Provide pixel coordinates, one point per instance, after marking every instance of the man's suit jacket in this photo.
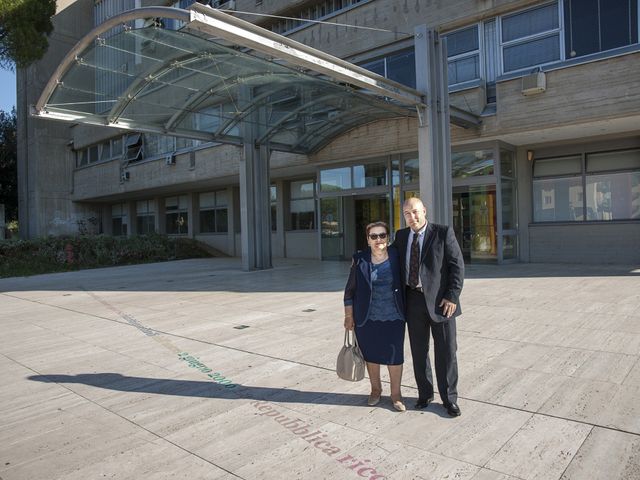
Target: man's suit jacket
(441, 267)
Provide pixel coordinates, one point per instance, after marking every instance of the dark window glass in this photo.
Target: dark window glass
(177, 223)
(402, 68)
(530, 22)
(221, 220)
(146, 224)
(119, 227)
(535, 52)
(207, 221)
(597, 25)
(375, 67)
(462, 42)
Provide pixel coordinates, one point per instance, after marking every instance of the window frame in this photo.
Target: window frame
(480, 51)
(215, 209)
(527, 39)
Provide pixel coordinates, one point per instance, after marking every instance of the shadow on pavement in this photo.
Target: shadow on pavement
(203, 389)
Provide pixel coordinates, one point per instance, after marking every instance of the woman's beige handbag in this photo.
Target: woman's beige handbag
(350, 364)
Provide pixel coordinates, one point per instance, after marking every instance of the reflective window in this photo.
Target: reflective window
(463, 52)
(411, 171)
(597, 25)
(177, 217)
(615, 195)
(571, 165)
(509, 214)
(145, 217)
(531, 38)
(335, 179)
(119, 220)
(213, 212)
(370, 175)
(399, 67)
(507, 164)
(558, 200)
(302, 205)
(472, 164)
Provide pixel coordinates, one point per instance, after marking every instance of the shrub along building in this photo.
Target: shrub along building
(544, 99)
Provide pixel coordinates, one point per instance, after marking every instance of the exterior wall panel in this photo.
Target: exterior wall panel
(585, 243)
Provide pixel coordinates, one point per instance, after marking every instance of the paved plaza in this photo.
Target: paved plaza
(195, 369)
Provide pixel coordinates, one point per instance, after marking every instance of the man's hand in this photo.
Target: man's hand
(448, 308)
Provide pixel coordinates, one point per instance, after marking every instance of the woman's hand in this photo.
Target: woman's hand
(348, 322)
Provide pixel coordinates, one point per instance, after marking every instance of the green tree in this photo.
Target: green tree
(8, 164)
(24, 27)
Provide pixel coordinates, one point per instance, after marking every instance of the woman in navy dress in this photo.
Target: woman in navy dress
(374, 306)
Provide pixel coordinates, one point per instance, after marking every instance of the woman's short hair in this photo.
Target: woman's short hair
(378, 224)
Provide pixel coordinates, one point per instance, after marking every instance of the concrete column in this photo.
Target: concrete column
(434, 142)
(254, 191)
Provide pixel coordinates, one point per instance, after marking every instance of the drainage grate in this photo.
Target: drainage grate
(241, 327)
(309, 310)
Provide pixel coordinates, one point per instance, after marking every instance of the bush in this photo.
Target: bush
(59, 254)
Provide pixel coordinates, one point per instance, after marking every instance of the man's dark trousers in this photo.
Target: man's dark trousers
(420, 325)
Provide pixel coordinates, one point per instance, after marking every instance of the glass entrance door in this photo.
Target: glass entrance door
(344, 221)
(332, 228)
(475, 222)
(367, 210)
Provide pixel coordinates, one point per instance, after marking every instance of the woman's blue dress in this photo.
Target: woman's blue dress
(381, 335)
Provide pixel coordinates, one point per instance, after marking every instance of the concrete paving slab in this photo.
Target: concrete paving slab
(115, 373)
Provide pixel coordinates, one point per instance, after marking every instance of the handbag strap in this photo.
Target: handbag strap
(347, 338)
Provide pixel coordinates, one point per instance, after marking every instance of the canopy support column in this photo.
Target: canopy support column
(255, 206)
(434, 141)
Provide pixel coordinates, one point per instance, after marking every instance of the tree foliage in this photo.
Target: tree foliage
(8, 164)
(24, 27)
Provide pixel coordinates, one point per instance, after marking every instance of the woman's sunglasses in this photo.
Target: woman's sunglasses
(375, 236)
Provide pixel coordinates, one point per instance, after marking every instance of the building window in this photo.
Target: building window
(597, 25)
(176, 215)
(612, 187)
(133, 147)
(463, 53)
(530, 38)
(557, 189)
(303, 205)
(119, 220)
(214, 212)
(399, 67)
(102, 152)
(472, 164)
(145, 217)
(156, 145)
(357, 176)
(608, 188)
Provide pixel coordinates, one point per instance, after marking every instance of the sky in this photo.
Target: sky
(7, 90)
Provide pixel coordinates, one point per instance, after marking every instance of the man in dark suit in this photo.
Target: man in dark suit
(433, 270)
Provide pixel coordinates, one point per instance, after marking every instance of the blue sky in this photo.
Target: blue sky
(7, 89)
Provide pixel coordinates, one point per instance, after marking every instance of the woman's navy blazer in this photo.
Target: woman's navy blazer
(358, 289)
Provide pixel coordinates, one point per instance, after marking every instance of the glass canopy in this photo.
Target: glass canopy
(179, 83)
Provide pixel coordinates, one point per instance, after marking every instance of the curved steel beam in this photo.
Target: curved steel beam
(139, 13)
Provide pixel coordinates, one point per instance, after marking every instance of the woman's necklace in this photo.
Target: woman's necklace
(379, 258)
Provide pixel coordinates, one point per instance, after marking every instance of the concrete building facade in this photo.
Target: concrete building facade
(552, 173)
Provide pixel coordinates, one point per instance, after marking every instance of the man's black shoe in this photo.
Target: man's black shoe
(453, 410)
(423, 403)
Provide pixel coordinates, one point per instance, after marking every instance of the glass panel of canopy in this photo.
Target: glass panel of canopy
(180, 83)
